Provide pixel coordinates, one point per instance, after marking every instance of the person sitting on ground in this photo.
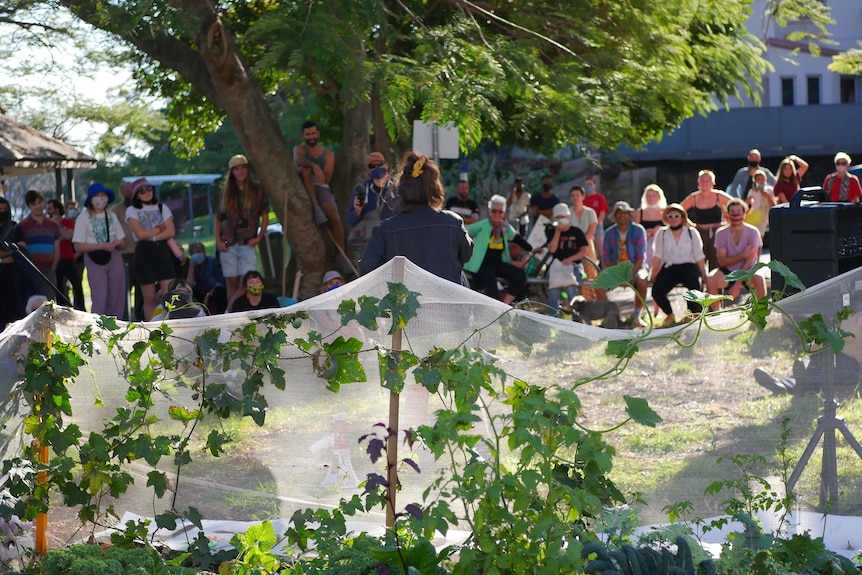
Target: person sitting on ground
(204, 272)
(331, 280)
(251, 295)
(677, 259)
(568, 244)
(737, 246)
(625, 241)
(491, 254)
(178, 303)
(519, 256)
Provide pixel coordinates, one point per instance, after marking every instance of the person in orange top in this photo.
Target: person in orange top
(841, 186)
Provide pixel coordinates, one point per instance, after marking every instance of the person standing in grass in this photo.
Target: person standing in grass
(152, 225)
(99, 236)
(241, 222)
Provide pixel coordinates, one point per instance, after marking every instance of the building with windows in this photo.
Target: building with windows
(805, 109)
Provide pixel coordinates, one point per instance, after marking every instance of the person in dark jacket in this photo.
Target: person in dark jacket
(434, 239)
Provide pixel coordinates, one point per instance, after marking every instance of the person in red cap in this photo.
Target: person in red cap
(152, 226)
(373, 200)
(315, 165)
(241, 222)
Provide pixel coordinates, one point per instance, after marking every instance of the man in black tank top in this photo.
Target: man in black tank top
(315, 165)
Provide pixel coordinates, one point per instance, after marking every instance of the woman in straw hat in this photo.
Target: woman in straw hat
(677, 259)
(241, 223)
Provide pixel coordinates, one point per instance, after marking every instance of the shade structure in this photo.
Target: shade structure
(25, 150)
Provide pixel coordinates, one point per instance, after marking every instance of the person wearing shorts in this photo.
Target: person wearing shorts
(152, 226)
(241, 222)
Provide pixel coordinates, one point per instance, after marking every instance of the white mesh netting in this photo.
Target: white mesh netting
(307, 453)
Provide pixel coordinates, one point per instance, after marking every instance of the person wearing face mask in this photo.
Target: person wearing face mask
(67, 267)
(99, 236)
(677, 260)
(542, 204)
(373, 200)
(204, 272)
(332, 280)
(568, 244)
(252, 295)
(841, 186)
(737, 246)
(744, 178)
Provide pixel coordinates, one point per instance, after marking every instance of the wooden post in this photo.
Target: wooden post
(42, 519)
(392, 442)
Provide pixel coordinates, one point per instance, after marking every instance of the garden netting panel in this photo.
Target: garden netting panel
(307, 453)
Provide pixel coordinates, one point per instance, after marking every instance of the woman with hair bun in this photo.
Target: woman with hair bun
(430, 237)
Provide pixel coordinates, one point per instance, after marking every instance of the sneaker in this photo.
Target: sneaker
(764, 379)
(320, 216)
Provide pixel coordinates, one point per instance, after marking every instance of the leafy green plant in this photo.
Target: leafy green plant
(93, 560)
(530, 486)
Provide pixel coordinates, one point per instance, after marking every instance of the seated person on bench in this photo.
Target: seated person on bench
(491, 258)
(568, 244)
(737, 246)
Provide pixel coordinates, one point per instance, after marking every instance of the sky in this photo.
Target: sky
(36, 80)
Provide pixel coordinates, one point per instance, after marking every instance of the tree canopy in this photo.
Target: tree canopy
(537, 73)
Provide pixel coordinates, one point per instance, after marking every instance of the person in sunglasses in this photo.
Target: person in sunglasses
(841, 186)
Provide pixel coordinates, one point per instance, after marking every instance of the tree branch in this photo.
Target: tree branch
(167, 50)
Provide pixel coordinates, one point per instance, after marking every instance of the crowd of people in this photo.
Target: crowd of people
(695, 243)
(130, 247)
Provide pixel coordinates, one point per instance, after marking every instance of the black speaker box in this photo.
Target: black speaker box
(816, 240)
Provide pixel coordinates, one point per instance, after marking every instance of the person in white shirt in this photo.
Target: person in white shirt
(677, 259)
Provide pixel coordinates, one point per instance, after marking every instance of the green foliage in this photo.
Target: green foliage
(254, 549)
(531, 482)
(539, 74)
(647, 560)
(93, 560)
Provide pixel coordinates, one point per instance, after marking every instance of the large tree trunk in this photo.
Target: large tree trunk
(351, 167)
(217, 70)
(261, 138)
